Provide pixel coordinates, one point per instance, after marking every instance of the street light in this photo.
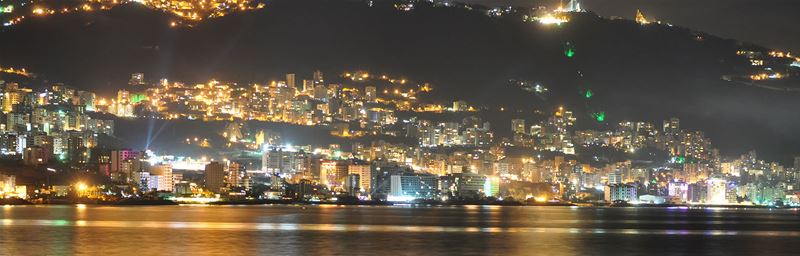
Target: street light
(81, 186)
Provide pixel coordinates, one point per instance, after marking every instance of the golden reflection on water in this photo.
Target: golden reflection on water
(249, 226)
(371, 230)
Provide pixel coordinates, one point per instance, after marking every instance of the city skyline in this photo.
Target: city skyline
(63, 132)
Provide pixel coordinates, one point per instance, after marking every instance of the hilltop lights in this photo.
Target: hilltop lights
(550, 19)
(640, 18)
(16, 71)
(187, 9)
(560, 14)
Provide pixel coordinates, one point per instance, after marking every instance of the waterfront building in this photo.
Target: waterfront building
(214, 175)
(413, 186)
(621, 192)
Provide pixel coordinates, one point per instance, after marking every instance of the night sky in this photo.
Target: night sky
(771, 23)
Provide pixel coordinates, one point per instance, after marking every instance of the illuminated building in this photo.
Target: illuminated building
(280, 160)
(123, 96)
(717, 190)
(87, 99)
(651, 199)
(120, 160)
(214, 176)
(7, 185)
(615, 178)
(237, 176)
(672, 126)
(370, 93)
(620, 192)
(184, 188)
(460, 105)
(142, 180)
(697, 192)
(640, 18)
(333, 173)
(351, 184)
(35, 156)
(470, 185)
(17, 121)
(177, 177)
(136, 79)
(572, 6)
(333, 91)
(77, 151)
(679, 190)
(320, 92)
(518, 126)
(12, 95)
(161, 177)
(290, 81)
(101, 126)
(478, 136)
(429, 136)
(452, 134)
(508, 166)
(412, 186)
(364, 172)
(318, 77)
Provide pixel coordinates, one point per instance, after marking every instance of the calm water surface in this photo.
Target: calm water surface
(395, 230)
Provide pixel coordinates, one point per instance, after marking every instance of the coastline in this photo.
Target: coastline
(148, 202)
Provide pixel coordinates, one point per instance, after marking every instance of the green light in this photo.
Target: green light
(588, 94)
(138, 97)
(599, 116)
(569, 50)
(680, 159)
(60, 222)
(7, 9)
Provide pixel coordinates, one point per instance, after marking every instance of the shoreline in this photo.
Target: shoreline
(21, 202)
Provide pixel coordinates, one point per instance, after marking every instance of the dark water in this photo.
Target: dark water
(398, 230)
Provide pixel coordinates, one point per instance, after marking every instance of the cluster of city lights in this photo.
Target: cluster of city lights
(188, 10)
(772, 65)
(16, 71)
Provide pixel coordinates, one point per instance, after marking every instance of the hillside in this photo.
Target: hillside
(635, 72)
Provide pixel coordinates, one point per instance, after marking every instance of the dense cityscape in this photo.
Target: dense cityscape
(61, 129)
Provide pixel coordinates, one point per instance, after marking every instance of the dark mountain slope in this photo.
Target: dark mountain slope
(636, 72)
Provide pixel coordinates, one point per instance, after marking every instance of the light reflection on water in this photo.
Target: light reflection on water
(471, 230)
(249, 226)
